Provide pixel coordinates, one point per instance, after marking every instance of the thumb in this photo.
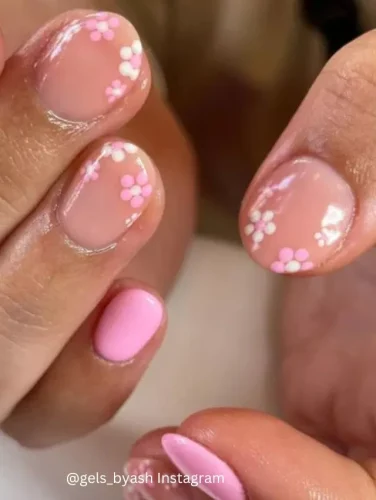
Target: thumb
(241, 454)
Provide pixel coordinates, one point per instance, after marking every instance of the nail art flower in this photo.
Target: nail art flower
(90, 171)
(132, 60)
(118, 150)
(136, 189)
(291, 261)
(102, 26)
(115, 91)
(261, 224)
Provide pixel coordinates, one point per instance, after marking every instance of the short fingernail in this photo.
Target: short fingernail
(108, 194)
(128, 323)
(89, 65)
(297, 219)
(194, 460)
(150, 479)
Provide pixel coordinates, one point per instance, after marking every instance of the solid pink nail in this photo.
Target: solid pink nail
(128, 323)
(193, 459)
(296, 219)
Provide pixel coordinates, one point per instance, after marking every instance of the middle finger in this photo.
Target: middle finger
(81, 76)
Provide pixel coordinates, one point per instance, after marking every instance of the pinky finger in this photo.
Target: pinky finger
(95, 373)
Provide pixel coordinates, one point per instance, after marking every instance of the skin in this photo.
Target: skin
(254, 445)
(327, 333)
(47, 391)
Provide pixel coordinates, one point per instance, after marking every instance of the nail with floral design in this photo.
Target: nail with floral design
(102, 25)
(261, 224)
(137, 189)
(296, 218)
(94, 210)
(83, 71)
(132, 57)
(115, 91)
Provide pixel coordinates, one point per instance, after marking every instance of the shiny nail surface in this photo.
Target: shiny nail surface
(128, 323)
(298, 217)
(107, 195)
(89, 65)
(193, 459)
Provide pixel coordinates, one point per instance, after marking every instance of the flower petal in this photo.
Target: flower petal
(255, 215)
(293, 266)
(142, 178)
(248, 230)
(268, 216)
(137, 201)
(286, 254)
(127, 181)
(126, 195)
(278, 267)
(258, 236)
(270, 228)
(301, 255)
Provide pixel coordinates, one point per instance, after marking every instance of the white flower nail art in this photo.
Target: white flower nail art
(132, 60)
(261, 224)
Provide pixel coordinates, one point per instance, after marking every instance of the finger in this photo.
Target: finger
(83, 75)
(38, 419)
(311, 206)
(112, 351)
(252, 455)
(77, 242)
(151, 474)
(20, 18)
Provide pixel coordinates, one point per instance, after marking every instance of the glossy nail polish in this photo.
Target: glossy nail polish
(193, 459)
(297, 218)
(108, 194)
(88, 66)
(128, 323)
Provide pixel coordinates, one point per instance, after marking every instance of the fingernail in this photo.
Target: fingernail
(150, 479)
(193, 460)
(128, 323)
(88, 66)
(107, 195)
(297, 218)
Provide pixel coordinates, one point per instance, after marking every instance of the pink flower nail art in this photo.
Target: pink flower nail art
(115, 91)
(291, 261)
(90, 171)
(132, 60)
(136, 189)
(102, 26)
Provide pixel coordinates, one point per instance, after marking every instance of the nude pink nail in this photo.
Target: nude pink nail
(108, 194)
(128, 323)
(89, 65)
(193, 459)
(298, 217)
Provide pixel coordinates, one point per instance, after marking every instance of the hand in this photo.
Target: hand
(309, 211)
(240, 454)
(71, 270)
